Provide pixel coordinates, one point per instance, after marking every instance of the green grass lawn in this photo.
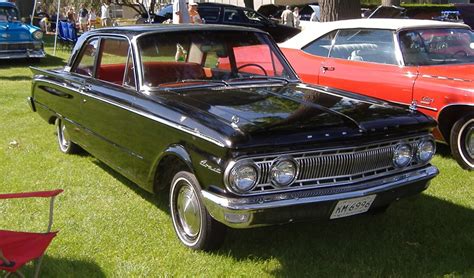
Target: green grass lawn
(110, 227)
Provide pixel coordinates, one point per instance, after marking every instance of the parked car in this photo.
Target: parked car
(215, 13)
(18, 39)
(425, 63)
(240, 146)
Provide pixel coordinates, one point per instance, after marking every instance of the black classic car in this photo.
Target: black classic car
(215, 116)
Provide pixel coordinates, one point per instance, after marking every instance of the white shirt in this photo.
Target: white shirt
(104, 11)
(179, 6)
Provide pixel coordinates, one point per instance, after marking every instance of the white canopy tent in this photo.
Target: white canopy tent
(57, 22)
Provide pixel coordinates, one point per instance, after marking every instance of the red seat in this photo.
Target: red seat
(18, 248)
(156, 73)
(112, 73)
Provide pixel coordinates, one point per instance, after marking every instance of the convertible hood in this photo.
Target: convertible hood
(462, 73)
(268, 114)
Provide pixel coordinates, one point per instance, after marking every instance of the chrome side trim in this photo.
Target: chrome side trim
(218, 205)
(141, 113)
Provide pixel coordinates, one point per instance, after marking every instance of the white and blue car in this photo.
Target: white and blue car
(18, 39)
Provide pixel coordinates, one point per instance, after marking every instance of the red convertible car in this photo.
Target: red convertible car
(423, 63)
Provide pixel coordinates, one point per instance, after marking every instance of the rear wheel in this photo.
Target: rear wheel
(193, 225)
(462, 142)
(64, 141)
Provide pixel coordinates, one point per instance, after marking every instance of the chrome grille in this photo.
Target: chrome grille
(16, 46)
(323, 168)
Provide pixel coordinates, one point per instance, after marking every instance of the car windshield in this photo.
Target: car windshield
(437, 46)
(8, 13)
(211, 58)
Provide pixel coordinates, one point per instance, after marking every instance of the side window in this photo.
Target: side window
(129, 79)
(86, 59)
(367, 45)
(234, 15)
(209, 14)
(321, 46)
(112, 60)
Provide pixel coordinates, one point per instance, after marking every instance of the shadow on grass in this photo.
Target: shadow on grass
(418, 236)
(48, 61)
(54, 267)
(422, 233)
(443, 150)
(158, 200)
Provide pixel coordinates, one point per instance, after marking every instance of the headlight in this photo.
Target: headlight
(243, 177)
(402, 155)
(283, 172)
(425, 151)
(38, 34)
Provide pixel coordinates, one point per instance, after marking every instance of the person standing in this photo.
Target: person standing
(180, 12)
(92, 19)
(83, 16)
(296, 17)
(287, 17)
(105, 14)
(194, 16)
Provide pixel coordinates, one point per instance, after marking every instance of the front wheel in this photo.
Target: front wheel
(64, 141)
(193, 225)
(462, 142)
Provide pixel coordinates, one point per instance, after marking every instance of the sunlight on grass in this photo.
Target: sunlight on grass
(110, 227)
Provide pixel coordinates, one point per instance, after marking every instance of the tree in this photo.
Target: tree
(248, 4)
(332, 10)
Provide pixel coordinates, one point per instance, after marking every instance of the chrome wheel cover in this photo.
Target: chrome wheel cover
(189, 213)
(186, 211)
(470, 141)
(63, 136)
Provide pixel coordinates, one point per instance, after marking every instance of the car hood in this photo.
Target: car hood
(14, 31)
(270, 115)
(462, 73)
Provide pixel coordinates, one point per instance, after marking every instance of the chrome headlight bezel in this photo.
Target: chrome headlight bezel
(279, 161)
(419, 148)
(231, 172)
(37, 35)
(402, 147)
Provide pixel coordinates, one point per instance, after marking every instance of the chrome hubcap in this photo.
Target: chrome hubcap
(64, 137)
(188, 211)
(470, 141)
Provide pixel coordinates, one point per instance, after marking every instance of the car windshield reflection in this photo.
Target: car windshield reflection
(437, 46)
(211, 58)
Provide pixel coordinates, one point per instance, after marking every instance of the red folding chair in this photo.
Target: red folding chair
(18, 248)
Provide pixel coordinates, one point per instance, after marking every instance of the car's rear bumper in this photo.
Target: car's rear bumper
(246, 212)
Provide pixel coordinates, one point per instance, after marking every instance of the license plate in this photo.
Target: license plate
(352, 206)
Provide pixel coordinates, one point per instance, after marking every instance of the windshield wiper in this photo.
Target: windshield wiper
(261, 77)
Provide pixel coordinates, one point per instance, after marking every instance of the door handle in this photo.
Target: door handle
(327, 68)
(86, 88)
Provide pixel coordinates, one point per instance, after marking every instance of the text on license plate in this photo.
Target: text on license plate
(352, 206)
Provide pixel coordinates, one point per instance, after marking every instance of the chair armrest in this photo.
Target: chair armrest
(40, 194)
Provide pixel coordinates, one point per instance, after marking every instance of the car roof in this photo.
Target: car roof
(314, 30)
(7, 4)
(135, 30)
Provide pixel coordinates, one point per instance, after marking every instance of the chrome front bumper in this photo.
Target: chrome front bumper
(279, 208)
(20, 54)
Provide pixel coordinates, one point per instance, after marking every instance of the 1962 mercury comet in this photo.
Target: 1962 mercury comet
(237, 144)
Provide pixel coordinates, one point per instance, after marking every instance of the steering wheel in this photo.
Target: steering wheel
(253, 65)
